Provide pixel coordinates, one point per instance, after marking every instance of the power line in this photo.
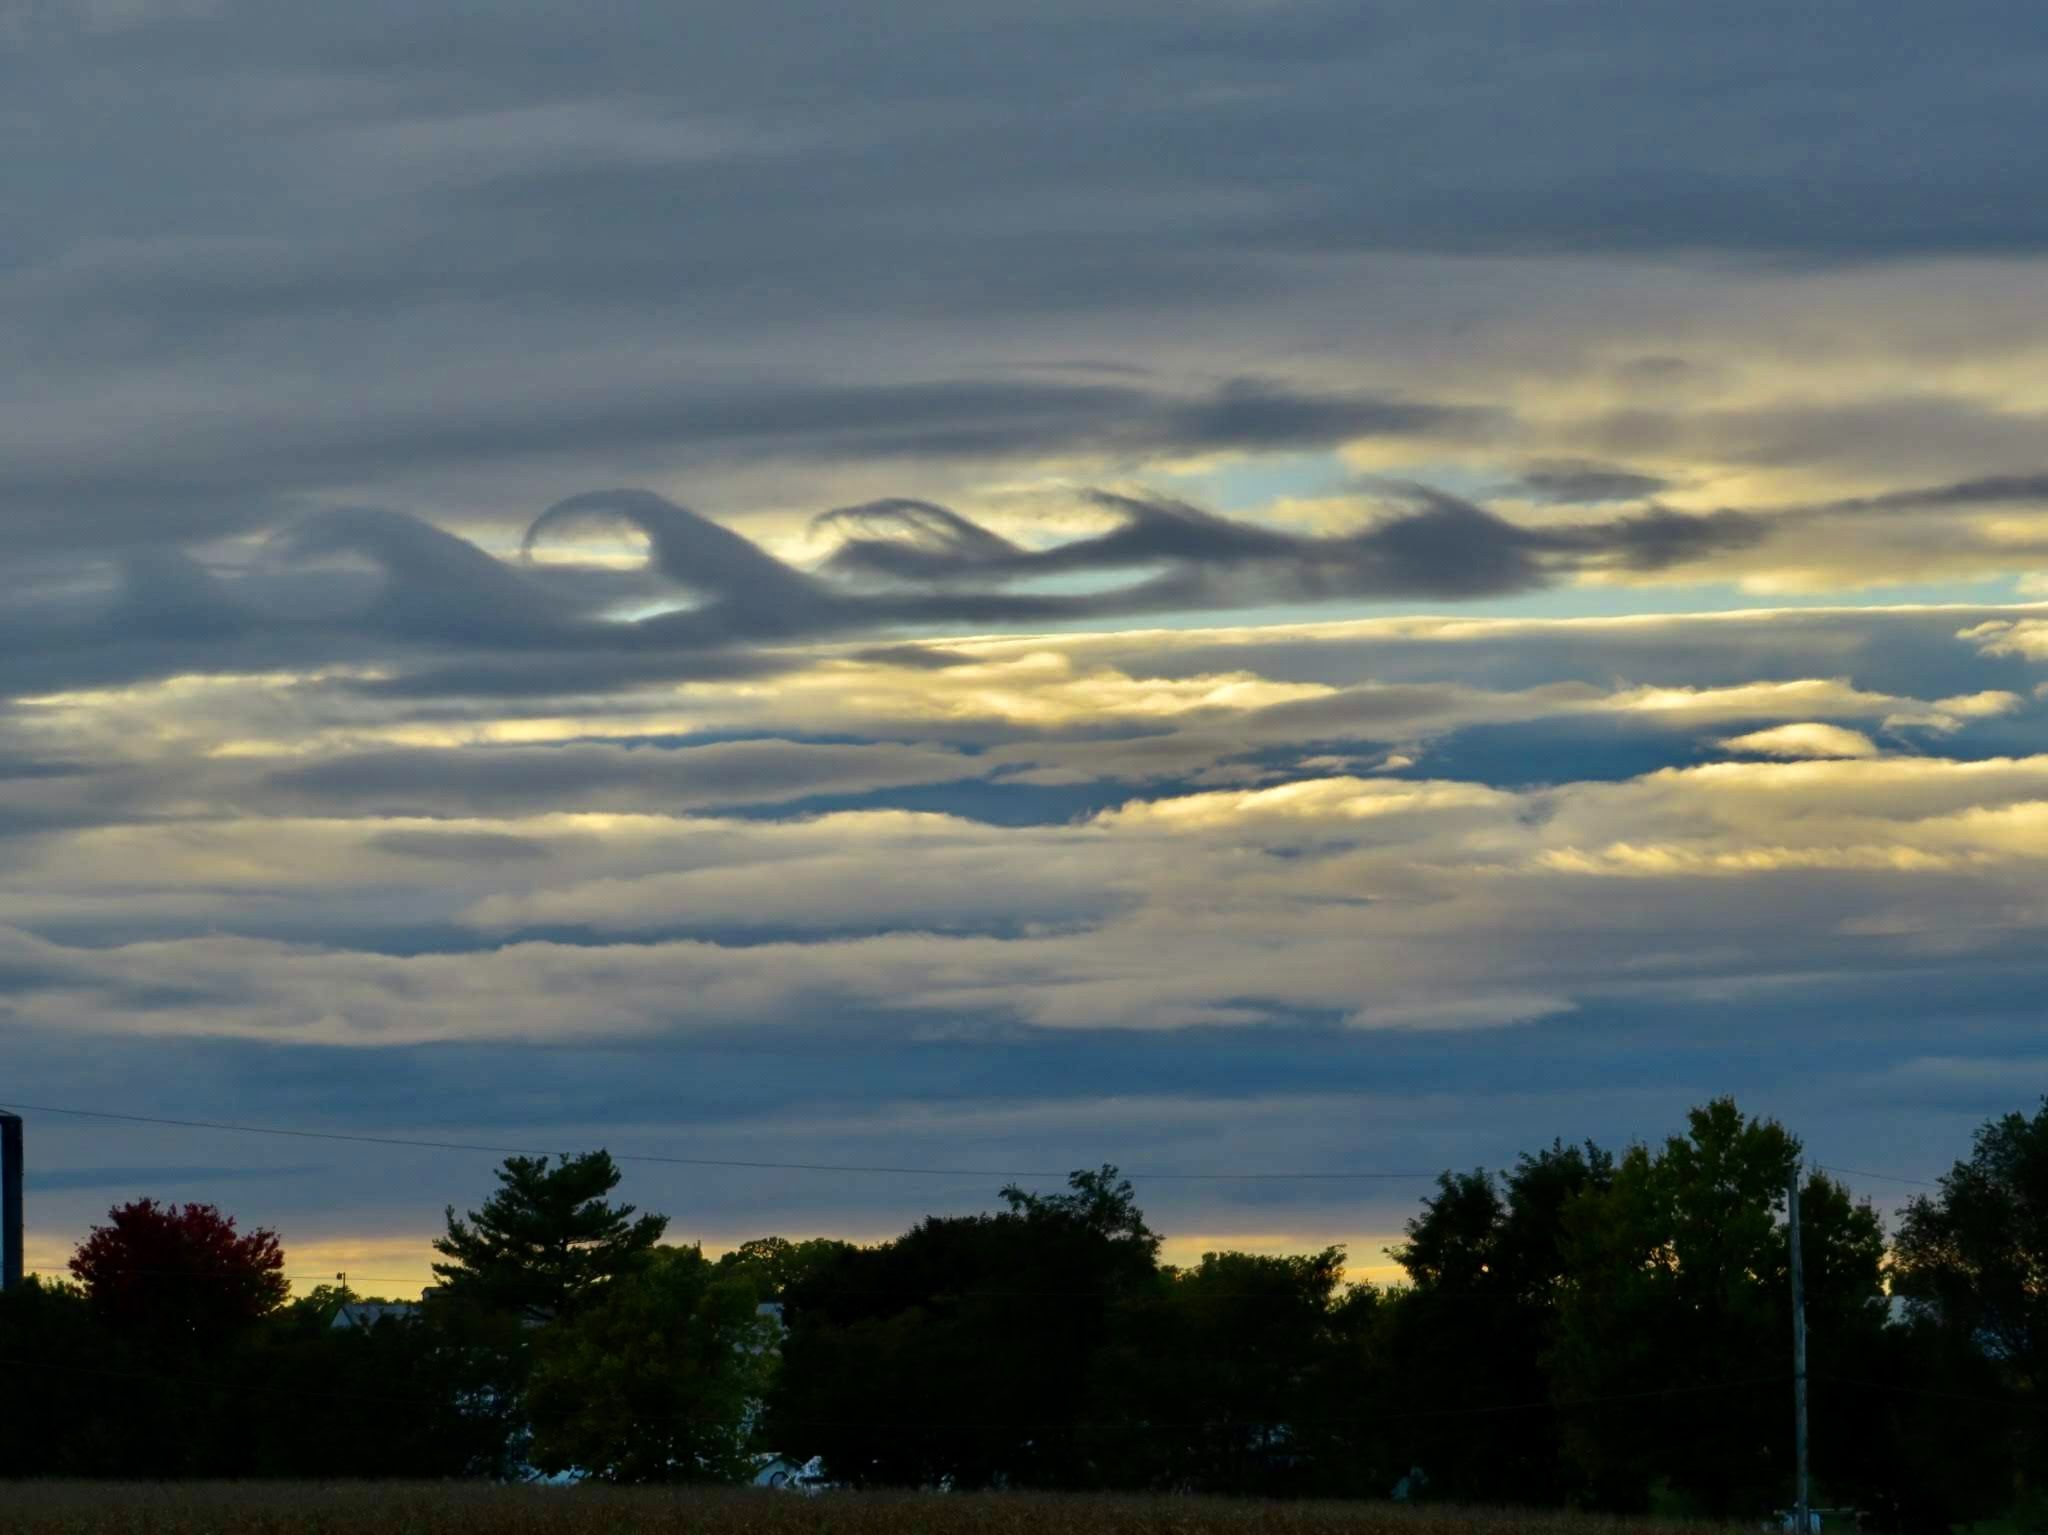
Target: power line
(1864, 1172)
(759, 1165)
(725, 1162)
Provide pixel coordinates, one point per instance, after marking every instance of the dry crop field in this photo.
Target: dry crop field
(80, 1508)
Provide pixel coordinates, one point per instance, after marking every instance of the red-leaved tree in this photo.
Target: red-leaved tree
(179, 1275)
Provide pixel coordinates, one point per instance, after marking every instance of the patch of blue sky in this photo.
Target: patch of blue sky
(1583, 749)
(1576, 601)
(1605, 601)
(1251, 484)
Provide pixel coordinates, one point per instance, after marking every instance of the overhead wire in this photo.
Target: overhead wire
(746, 1164)
(1150, 1175)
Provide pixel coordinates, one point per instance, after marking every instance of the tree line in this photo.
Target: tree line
(1606, 1330)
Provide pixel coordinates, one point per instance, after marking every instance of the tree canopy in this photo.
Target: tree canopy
(1585, 1328)
(1975, 1257)
(1971, 1262)
(657, 1379)
(546, 1240)
(179, 1274)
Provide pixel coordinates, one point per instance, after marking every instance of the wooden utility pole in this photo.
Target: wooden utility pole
(10, 1201)
(1802, 1519)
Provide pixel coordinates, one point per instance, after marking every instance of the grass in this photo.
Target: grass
(383, 1508)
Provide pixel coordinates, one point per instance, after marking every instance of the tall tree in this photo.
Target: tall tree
(1975, 1257)
(965, 1351)
(1486, 1269)
(546, 1240)
(1972, 1264)
(179, 1274)
(1677, 1314)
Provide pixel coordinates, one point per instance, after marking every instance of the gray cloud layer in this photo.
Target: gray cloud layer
(358, 814)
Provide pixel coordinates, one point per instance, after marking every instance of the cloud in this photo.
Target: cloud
(1018, 807)
(1802, 740)
(1567, 483)
(1348, 896)
(2023, 638)
(1433, 546)
(488, 847)
(429, 782)
(420, 611)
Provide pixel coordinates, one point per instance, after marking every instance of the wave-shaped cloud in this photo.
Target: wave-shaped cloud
(371, 585)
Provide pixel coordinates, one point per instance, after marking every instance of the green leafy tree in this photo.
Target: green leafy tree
(657, 1380)
(546, 1241)
(1678, 1302)
(776, 1264)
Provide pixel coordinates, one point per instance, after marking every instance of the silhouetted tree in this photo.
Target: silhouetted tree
(81, 1400)
(1975, 1258)
(1487, 1268)
(179, 1275)
(297, 1397)
(545, 1241)
(1229, 1377)
(1972, 1263)
(1098, 1202)
(1575, 1328)
(965, 1350)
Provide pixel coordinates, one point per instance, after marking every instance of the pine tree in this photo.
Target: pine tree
(546, 1240)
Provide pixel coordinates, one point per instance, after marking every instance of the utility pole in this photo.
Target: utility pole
(10, 1201)
(1800, 1513)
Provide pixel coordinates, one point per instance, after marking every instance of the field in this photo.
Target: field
(59, 1508)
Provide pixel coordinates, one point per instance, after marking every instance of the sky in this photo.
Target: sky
(1223, 586)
